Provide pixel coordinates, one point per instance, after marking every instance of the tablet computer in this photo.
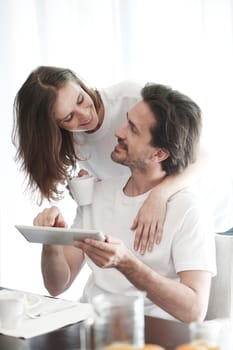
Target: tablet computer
(57, 235)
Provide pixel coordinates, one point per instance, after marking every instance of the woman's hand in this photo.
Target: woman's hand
(82, 172)
(150, 218)
(149, 222)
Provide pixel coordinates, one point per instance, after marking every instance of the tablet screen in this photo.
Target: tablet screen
(57, 235)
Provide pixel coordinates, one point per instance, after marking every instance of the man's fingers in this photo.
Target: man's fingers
(95, 254)
(49, 217)
(59, 221)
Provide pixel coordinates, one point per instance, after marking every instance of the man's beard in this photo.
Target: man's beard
(131, 163)
(116, 159)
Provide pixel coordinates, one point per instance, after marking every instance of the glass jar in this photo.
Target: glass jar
(206, 333)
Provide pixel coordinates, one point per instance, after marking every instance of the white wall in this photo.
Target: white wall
(187, 44)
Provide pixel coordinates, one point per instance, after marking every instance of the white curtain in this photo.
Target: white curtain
(187, 44)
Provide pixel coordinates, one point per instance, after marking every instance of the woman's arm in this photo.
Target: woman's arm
(149, 221)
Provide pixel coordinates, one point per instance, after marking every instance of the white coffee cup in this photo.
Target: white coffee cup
(82, 188)
(11, 312)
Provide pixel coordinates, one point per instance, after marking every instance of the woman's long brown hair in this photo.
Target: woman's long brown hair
(45, 152)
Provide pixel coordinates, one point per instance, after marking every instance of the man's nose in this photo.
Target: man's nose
(121, 132)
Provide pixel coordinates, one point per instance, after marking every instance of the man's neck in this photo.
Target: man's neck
(141, 182)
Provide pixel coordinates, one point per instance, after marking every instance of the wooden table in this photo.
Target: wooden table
(157, 331)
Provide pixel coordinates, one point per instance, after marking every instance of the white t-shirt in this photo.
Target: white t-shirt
(96, 148)
(187, 244)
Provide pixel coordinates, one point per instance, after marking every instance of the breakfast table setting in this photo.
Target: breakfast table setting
(55, 324)
(48, 323)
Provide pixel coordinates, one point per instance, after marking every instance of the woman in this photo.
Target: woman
(60, 121)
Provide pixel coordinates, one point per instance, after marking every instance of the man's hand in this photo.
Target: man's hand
(50, 217)
(111, 253)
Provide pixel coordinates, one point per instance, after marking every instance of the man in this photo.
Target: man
(160, 138)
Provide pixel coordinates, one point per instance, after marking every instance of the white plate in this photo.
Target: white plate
(57, 235)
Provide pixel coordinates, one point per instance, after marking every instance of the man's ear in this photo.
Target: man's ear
(160, 154)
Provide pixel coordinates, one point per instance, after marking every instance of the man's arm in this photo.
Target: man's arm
(60, 265)
(186, 300)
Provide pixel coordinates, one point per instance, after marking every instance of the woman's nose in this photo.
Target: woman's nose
(82, 111)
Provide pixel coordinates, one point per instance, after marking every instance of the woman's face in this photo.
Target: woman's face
(74, 109)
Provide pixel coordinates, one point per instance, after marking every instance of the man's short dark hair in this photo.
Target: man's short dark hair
(178, 125)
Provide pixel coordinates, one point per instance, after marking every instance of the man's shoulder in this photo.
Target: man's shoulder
(188, 194)
(189, 210)
(187, 199)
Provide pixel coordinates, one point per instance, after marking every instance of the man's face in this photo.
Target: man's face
(133, 148)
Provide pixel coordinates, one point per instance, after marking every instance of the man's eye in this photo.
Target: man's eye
(132, 128)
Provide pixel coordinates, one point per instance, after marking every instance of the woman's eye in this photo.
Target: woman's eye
(69, 118)
(80, 99)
